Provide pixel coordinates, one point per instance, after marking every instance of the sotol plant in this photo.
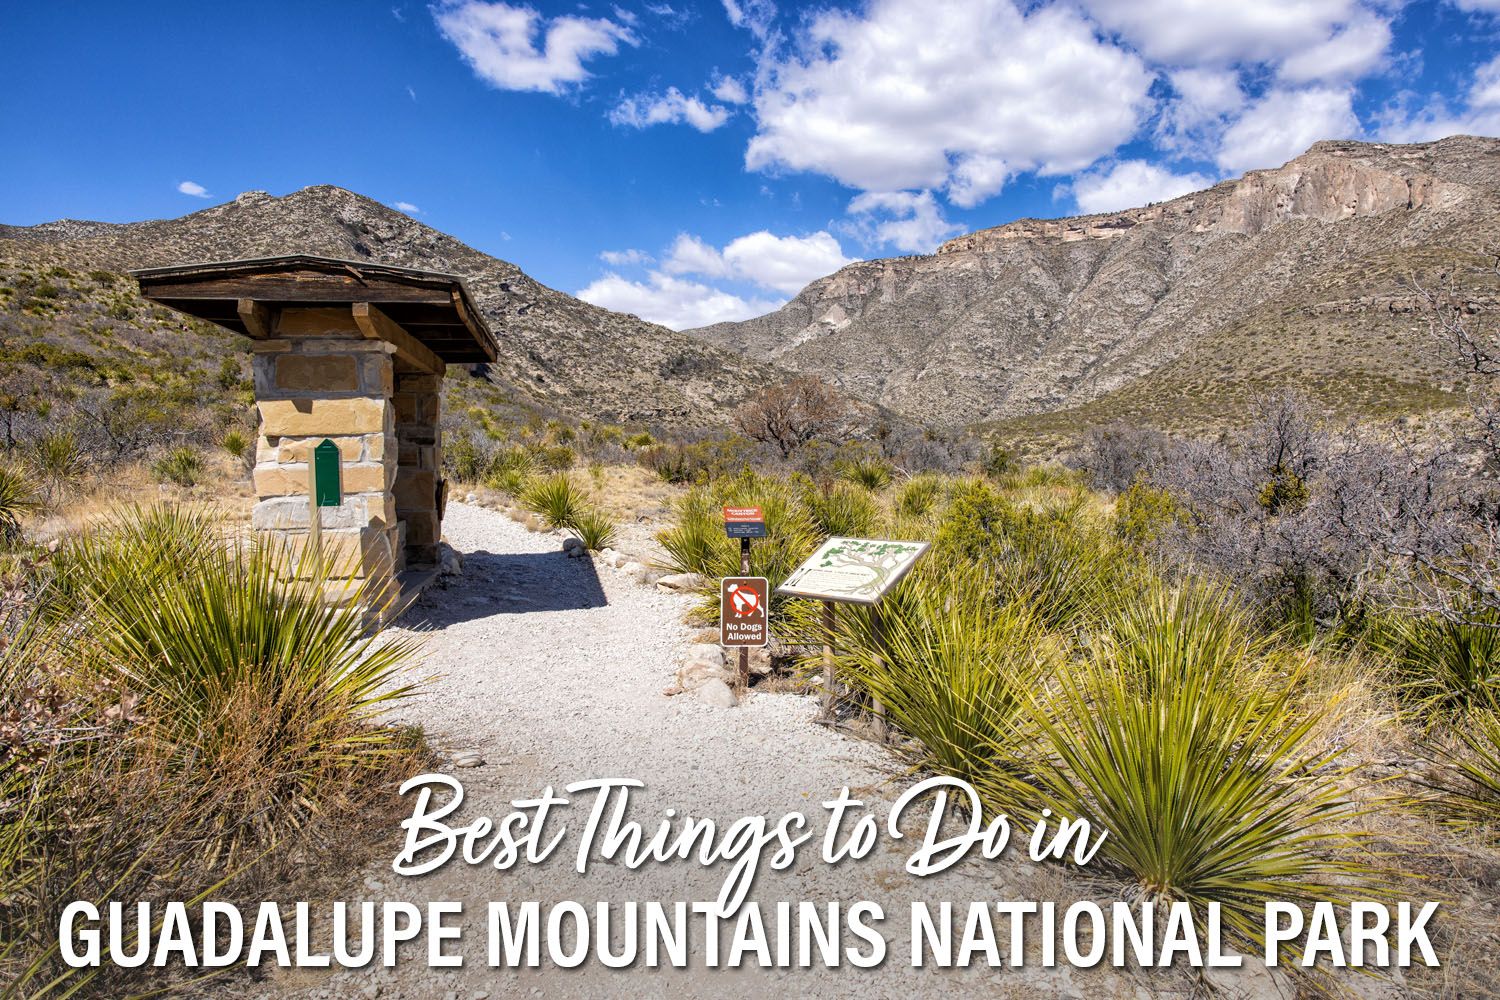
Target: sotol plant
(556, 499)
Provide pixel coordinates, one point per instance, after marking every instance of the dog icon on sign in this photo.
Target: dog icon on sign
(745, 600)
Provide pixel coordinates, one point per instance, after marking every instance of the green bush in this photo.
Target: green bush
(872, 474)
(1144, 513)
(842, 510)
(181, 465)
(1198, 764)
(999, 461)
(952, 670)
(918, 496)
(594, 528)
(17, 499)
(556, 499)
(237, 445)
(462, 459)
(1466, 776)
(1443, 669)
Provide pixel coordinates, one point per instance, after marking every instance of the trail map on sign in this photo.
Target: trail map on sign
(854, 570)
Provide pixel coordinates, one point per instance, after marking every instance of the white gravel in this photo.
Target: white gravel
(553, 670)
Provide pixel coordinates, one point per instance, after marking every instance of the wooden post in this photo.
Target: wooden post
(314, 513)
(828, 622)
(744, 682)
(877, 636)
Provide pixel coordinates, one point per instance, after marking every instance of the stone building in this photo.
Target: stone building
(353, 353)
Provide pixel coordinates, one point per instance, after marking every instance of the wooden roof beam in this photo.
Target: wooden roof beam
(376, 325)
(256, 316)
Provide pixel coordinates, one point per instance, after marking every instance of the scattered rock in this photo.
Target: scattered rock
(471, 497)
(571, 544)
(373, 885)
(635, 571)
(695, 673)
(468, 759)
(450, 561)
(716, 693)
(711, 652)
(681, 582)
(760, 662)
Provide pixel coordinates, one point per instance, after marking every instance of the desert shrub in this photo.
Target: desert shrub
(1443, 668)
(842, 509)
(268, 691)
(58, 460)
(999, 461)
(555, 458)
(639, 440)
(1200, 768)
(1144, 513)
(594, 528)
(1117, 455)
(236, 444)
(463, 460)
(953, 671)
(871, 474)
(697, 544)
(918, 496)
(17, 499)
(556, 499)
(181, 465)
(684, 463)
(1061, 565)
(1465, 781)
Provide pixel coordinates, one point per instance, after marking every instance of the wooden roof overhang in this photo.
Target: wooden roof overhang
(436, 310)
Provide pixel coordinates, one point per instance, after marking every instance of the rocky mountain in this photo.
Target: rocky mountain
(1173, 314)
(558, 354)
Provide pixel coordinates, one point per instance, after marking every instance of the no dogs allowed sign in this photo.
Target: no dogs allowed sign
(744, 614)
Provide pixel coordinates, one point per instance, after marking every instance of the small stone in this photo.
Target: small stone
(468, 759)
(708, 651)
(480, 995)
(372, 991)
(635, 571)
(716, 693)
(373, 885)
(571, 544)
(471, 497)
(681, 582)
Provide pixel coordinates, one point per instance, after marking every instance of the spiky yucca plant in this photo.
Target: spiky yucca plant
(952, 671)
(556, 499)
(269, 689)
(17, 499)
(871, 474)
(1466, 782)
(1198, 764)
(842, 509)
(1443, 669)
(919, 495)
(181, 465)
(594, 528)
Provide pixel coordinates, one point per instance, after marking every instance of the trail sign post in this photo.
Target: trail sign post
(744, 523)
(852, 571)
(744, 611)
(325, 488)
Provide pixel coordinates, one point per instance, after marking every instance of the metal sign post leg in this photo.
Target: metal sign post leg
(744, 681)
(877, 632)
(828, 621)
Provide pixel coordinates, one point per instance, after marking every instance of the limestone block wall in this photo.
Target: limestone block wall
(323, 379)
(417, 404)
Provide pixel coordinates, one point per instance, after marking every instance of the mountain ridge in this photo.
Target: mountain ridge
(1292, 275)
(557, 352)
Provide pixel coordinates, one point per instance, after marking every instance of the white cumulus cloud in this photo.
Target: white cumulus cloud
(625, 258)
(907, 220)
(1480, 114)
(730, 91)
(193, 188)
(673, 302)
(1132, 184)
(408, 208)
(1198, 33)
(670, 108)
(958, 95)
(1283, 123)
(515, 48)
(783, 263)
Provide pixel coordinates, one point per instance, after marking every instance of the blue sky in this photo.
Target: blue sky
(698, 162)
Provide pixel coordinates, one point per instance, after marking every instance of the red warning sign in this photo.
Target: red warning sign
(744, 611)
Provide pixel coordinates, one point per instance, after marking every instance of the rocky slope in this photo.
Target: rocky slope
(557, 354)
(1172, 314)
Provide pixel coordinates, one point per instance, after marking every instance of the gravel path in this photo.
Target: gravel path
(554, 670)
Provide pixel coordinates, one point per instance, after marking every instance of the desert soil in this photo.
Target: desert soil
(554, 669)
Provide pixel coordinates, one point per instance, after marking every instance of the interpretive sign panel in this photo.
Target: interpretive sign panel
(853, 570)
